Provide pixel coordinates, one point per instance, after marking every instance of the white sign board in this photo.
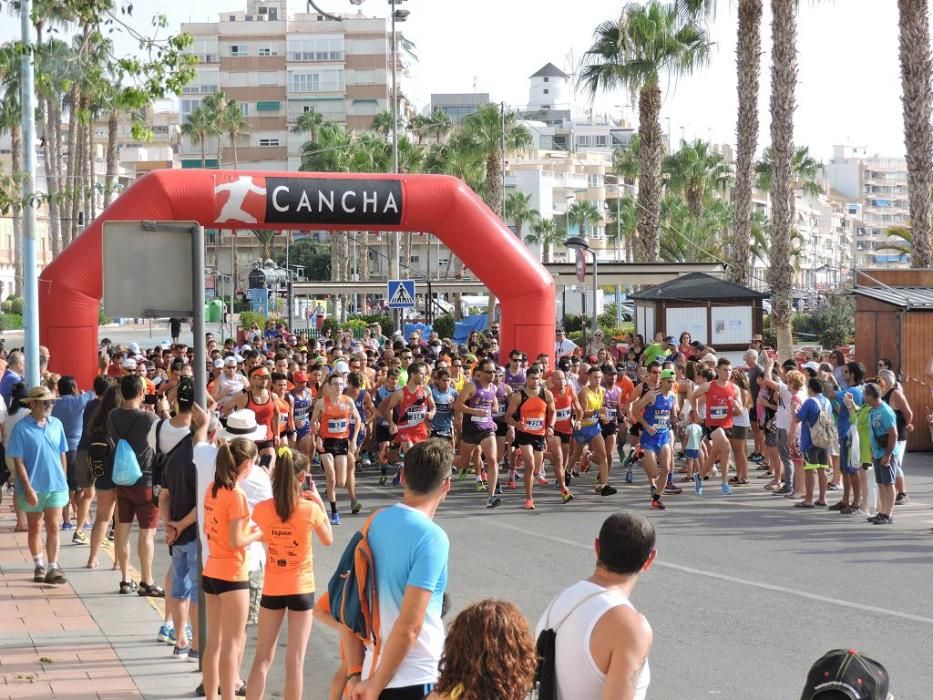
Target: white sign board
(147, 269)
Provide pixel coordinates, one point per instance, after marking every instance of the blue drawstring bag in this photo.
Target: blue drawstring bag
(126, 471)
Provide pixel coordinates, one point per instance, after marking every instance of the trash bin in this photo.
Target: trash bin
(215, 311)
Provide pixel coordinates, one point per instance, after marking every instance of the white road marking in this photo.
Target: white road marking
(740, 581)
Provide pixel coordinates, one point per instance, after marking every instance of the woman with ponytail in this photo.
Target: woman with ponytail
(225, 578)
(287, 521)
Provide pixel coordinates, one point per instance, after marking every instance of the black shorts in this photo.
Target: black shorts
(408, 692)
(217, 586)
(708, 431)
(336, 446)
(635, 430)
(442, 436)
(71, 475)
(299, 602)
(383, 434)
(536, 441)
(502, 428)
(472, 435)
(609, 429)
(564, 438)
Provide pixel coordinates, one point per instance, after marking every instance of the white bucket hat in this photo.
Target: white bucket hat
(242, 424)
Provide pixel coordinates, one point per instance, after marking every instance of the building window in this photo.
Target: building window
(324, 81)
(546, 91)
(268, 143)
(442, 262)
(231, 18)
(413, 259)
(268, 106)
(188, 106)
(317, 49)
(262, 10)
(602, 140)
(546, 79)
(239, 50)
(268, 78)
(244, 108)
(268, 51)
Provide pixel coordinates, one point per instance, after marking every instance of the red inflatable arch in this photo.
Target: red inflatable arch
(70, 288)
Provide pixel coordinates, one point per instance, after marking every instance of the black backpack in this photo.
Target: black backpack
(545, 687)
(160, 459)
(99, 454)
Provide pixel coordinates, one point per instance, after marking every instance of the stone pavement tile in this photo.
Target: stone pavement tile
(25, 689)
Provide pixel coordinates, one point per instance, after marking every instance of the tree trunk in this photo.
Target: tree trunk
(236, 159)
(69, 218)
(111, 176)
(76, 184)
(202, 137)
(918, 134)
(86, 171)
(748, 67)
(17, 172)
(783, 104)
(50, 184)
(364, 256)
(55, 133)
(458, 296)
(409, 241)
(92, 170)
(546, 250)
(650, 154)
(234, 263)
(494, 191)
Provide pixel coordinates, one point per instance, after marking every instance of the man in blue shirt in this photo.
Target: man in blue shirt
(853, 373)
(883, 435)
(816, 459)
(16, 365)
(37, 447)
(410, 553)
(69, 409)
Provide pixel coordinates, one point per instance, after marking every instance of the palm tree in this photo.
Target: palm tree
(308, 123)
(900, 239)
(216, 104)
(694, 171)
(805, 172)
(10, 120)
(916, 76)
(545, 233)
(748, 68)
(382, 123)
(783, 103)
(622, 224)
(199, 126)
(419, 125)
(519, 211)
(585, 215)
(632, 53)
(233, 123)
(440, 125)
(625, 161)
(689, 238)
(265, 238)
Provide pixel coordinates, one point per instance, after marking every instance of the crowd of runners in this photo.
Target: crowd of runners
(239, 474)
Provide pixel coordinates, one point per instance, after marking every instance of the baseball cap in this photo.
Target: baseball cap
(299, 377)
(341, 367)
(812, 365)
(230, 361)
(246, 348)
(848, 673)
(669, 340)
(709, 357)
(218, 363)
(129, 363)
(133, 348)
(667, 374)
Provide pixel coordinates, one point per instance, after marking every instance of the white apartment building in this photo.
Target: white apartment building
(278, 67)
(878, 187)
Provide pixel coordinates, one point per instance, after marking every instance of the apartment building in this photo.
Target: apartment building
(878, 187)
(140, 156)
(278, 67)
(458, 105)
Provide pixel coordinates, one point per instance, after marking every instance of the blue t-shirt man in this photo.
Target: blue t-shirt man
(807, 415)
(409, 549)
(881, 420)
(9, 380)
(70, 411)
(40, 448)
(443, 421)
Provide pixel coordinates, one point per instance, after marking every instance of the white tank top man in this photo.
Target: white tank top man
(602, 642)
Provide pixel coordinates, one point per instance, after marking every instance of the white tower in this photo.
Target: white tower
(549, 89)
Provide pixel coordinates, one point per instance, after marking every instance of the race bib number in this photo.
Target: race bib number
(337, 425)
(719, 412)
(534, 424)
(481, 419)
(415, 415)
(564, 413)
(611, 414)
(662, 420)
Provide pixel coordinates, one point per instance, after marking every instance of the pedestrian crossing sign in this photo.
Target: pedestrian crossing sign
(401, 294)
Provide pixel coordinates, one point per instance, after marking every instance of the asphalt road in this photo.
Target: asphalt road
(745, 594)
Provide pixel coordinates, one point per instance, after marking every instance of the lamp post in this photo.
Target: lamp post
(579, 243)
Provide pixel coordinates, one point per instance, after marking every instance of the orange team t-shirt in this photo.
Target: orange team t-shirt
(225, 562)
(289, 564)
(627, 389)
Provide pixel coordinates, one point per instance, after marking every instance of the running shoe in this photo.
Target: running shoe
(698, 485)
(166, 634)
(397, 479)
(68, 526)
(54, 574)
(194, 656)
(657, 505)
(366, 461)
(38, 574)
(568, 477)
(356, 507)
(629, 478)
(606, 490)
(629, 461)
(541, 481)
(80, 537)
(498, 490)
(383, 480)
(511, 485)
(529, 504)
(882, 519)
(566, 496)
(848, 510)
(111, 535)
(838, 505)
(335, 518)
(480, 486)
(181, 652)
(833, 487)
(901, 499)
(493, 502)
(670, 488)
(726, 489)
(461, 475)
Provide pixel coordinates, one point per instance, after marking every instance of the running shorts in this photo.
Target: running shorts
(536, 441)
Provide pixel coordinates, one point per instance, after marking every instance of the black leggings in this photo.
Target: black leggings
(408, 692)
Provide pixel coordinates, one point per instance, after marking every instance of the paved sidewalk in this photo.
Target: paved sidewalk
(82, 639)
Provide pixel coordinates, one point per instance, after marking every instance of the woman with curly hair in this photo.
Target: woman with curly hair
(489, 654)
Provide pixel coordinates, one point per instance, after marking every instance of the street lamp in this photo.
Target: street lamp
(579, 243)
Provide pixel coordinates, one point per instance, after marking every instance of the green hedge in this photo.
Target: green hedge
(11, 322)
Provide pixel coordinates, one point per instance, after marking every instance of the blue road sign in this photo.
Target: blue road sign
(401, 294)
